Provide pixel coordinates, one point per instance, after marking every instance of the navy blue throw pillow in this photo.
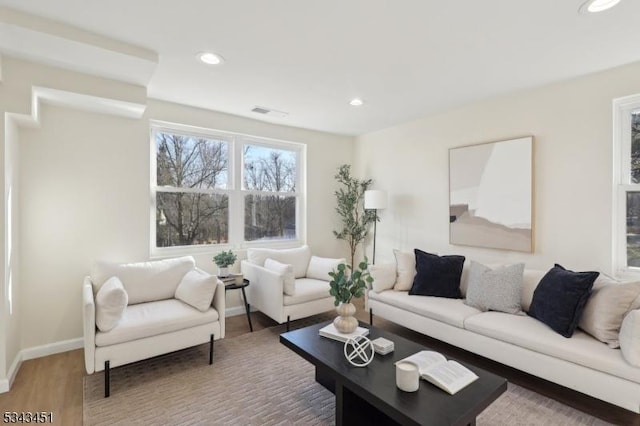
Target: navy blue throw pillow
(560, 297)
(437, 275)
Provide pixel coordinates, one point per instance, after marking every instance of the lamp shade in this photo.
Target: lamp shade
(375, 199)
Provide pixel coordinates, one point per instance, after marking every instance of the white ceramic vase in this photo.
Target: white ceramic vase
(223, 272)
(345, 322)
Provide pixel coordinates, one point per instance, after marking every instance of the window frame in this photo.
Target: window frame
(298, 193)
(623, 108)
(235, 191)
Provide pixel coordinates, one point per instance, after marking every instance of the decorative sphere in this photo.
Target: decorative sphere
(359, 351)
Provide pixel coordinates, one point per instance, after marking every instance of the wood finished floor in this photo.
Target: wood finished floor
(54, 383)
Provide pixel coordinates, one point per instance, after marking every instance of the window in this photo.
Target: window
(269, 186)
(627, 176)
(213, 189)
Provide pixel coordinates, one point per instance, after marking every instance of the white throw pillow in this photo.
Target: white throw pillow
(111, 301)
(406, 270)
(630, 338)
(286, 271)
(605, 310)
(296, 257)
(144, 281)
(384, 276)
(197, 289)
(319, 267)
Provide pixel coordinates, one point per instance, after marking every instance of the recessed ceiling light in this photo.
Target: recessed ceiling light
(210, 58)
(594, 6)
(356, 102)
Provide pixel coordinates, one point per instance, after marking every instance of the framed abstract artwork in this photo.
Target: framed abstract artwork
(491, 195)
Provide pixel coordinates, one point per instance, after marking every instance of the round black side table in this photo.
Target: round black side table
(245, 283)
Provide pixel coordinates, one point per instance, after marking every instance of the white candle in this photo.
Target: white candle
(407, 377)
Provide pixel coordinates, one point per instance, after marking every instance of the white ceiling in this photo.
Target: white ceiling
(405, 58)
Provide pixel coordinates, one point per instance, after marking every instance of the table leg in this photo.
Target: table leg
(248, 308)
(340, 414)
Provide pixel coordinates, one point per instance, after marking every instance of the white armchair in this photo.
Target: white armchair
(288, 284)
(140, 310)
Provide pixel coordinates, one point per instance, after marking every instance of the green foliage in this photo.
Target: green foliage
(347, 282)
(224, 259)
(350, 199)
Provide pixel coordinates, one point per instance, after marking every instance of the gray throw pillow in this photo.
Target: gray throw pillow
(495, 289)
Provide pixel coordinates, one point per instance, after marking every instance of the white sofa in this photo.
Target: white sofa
(154, 321)
(285, 294)
(581, 362)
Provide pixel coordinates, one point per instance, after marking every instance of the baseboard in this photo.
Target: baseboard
(52, 348)
(5, 384)
(37, 352)
(236, 310)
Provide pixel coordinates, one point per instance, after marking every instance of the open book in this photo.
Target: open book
(450, 376)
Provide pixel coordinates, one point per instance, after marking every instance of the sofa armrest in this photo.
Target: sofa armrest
(219, 304)
(89, 325)
(265, 291)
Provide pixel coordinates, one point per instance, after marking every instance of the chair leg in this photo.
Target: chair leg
(211, 350)
(288, 317)
(107, 379)
(370, 316)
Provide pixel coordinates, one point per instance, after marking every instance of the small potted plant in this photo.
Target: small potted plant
(346, 283)
(223, 260)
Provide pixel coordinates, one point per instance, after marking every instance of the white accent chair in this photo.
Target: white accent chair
(301, 292)
(154, 321)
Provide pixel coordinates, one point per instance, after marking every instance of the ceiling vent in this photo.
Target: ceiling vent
(269, 112)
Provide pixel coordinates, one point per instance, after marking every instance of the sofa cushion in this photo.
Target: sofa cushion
(197, 289)
(451, 311)
(153, 318)
(530, 280)
(606, 308)
(405, 269)
(111, 302)
(144, 281)
(495, 289)
(384, 276)
(307, 290)
(559, 299)
(319, 267)
(527, 332)
(630, 338)
(437, 275)
(297, 257)
(286, 272)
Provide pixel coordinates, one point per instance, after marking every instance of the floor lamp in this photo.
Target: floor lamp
(375, 200)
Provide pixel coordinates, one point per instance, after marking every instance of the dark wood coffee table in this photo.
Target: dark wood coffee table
(369, 395)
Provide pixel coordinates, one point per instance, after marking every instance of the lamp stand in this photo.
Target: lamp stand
(375, 222)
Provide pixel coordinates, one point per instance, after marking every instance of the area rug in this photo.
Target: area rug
(255, 380)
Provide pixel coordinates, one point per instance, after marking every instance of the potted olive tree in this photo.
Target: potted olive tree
(223, 260)
(355, 220)
(346, 283)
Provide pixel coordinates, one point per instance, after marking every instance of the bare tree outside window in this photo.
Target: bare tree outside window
(270, 206)
(190, 210)
(633, 198)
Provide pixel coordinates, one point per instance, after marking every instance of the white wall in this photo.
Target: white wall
(572, 127)
(84, 186)
(84, 193)
(12, 249)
